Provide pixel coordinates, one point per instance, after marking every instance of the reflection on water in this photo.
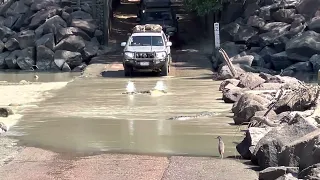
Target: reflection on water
(92, 115)
(42, 76)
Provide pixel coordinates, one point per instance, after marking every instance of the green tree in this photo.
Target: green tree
(203, 7)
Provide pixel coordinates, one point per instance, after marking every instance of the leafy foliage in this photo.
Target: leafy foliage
(203, 7)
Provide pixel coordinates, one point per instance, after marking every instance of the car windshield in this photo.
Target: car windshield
(146, 41)
(158, 16)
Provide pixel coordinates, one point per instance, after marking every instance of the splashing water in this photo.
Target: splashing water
(130, 87)
(160, 86)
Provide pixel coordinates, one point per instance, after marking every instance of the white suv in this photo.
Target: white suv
(147, 49)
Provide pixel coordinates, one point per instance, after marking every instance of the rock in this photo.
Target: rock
(45, 57)
(315, 61)
(66, 3)
(233, 49)
(298, 67)
(46, 40)
(86, 8)
(26, 38)
(251, 9)
(279, 27)
(302, 152)
(89, 26)
(42, 4)
(266, 53)
(272, 173)
(65, 32)
(250, 80)
(224, 83)
(267, 149)
(302, 48)
(247, 59)
(257, 60)
(314, 24)
(73, 59)
(280, 61)
(5, 32)
(5, 112)
(228, 31)
(247, 145)
(247, 106)
(3, 55)
(65, 67)
(244, 34)
(90, 50)
(22, 22)
(11, 60)
(79, 68)
(256, 21)
(284, 15)
(98, 33)
(308, 7)
(312, 172)
(232, 12)
(231, 93)
(41, 16)
(296, 28)
(12, 44)
(19, 7)
(52, 25)
(269, 86)
(9, 21)
(26, 59)
(71, 43)
(225, 73)
(2, 46)
(273, 38)
(80, 15)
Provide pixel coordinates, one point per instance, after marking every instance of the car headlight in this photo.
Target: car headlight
(161, 55)
(129, 55)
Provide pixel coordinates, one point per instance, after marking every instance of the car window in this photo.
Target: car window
(158, 16)
(146, 41)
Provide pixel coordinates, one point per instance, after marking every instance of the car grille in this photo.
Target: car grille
(144, 55)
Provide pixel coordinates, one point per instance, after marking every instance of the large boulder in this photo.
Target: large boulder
(280, 61)
(256, 21)
(11, 60)
(227, 32)
(246, 107)
(9, 21)
(266, 153)
(26, 38)
(46, 40)
(19, 7)
(5, 32)
(231, 93)
(26, 60)
(273, 173)
(90, 50)
(41, 16)
(73, 59)
(302, 152)
(302, 48)
(42, 4)
(253, 136)
(12, 44)
(284, 15)
(315, 61)
(89, 26)
(45, 57)
(80, 15)
(304, 67)
(2, 46)
(250, 80)
(224, 83)
(3, 55)
(65, 32)
(308, 7)
(52, 25)
(314, 24)
(225, 73)
(71, 43)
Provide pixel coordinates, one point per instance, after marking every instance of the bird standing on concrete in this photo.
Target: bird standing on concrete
(220, 146)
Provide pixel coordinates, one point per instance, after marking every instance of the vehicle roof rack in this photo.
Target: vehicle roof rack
(147, 28)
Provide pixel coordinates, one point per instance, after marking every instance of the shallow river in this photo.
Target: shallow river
(93, 116)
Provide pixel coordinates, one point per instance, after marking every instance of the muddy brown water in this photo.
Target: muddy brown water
(93, 116)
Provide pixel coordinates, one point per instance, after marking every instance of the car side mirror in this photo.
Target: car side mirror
(169, 43)
(123, 44)
(178, 18)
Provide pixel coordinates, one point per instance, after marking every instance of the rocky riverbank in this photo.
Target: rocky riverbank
(272, 35)
(282, 114)
(47, 35)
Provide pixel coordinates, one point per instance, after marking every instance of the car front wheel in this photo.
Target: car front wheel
(127, 70)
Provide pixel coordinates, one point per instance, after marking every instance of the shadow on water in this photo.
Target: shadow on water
(109, 121)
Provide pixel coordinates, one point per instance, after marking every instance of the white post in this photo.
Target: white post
(216, 35)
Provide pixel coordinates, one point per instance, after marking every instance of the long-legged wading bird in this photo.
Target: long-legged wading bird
(220, 146)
